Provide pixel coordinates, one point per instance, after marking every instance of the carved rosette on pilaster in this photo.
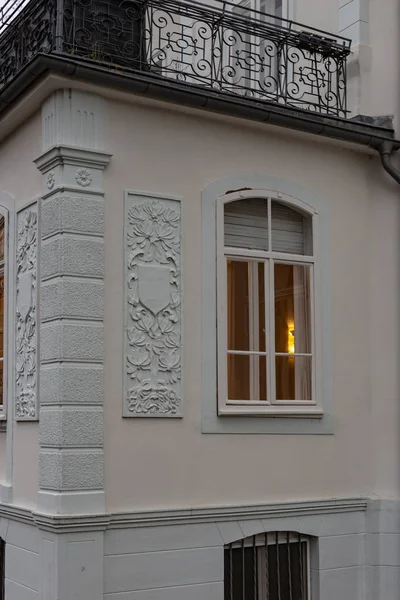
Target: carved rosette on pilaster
(153, 311)
(26, 405)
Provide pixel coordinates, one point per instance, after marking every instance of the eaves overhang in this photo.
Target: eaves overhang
(161, 88)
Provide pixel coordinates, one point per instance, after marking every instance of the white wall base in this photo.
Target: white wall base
(354, 547)
(71, 503)
(6, 493)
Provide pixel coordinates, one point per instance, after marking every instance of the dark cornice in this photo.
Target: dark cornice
(167, 90)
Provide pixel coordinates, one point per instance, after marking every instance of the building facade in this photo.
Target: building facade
(199, 262)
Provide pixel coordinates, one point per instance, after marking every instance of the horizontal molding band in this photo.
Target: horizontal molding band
(237, 513)
(53, 364)
(72, 279)
(72, 155)
(76, 191)
(57, 276)
(126, 520)
(67, 362)
(76, 448)
(91, 323)
(59, 193)
(83, 451)
(76, 408)
(73, 320)
(69, 233)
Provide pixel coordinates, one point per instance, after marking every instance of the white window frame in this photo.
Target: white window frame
(256, 5)
(272, 407)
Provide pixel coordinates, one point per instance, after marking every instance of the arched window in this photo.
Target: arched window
(268, 566)
(266, 329)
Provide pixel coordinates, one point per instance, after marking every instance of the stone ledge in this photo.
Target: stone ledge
(64, 523)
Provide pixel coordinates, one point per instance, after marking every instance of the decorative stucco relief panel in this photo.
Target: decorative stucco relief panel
(153, 307)
(26, 405)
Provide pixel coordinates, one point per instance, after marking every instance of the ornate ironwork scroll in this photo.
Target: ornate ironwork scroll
(219, 46)
(26, 29)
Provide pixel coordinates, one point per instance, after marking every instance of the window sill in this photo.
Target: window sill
(287, 411)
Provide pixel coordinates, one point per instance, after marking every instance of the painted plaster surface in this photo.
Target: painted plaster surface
(161, 151)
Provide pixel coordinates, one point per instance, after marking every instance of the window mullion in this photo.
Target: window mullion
(244, 253)
(271, 332)
(254, 331)
(267, 330)
(222, 313)
(269, 208)
(312, 325)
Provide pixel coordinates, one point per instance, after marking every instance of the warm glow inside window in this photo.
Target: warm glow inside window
(266, 347)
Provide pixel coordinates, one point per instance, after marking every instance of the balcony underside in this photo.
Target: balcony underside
(247, 65)
(144, 84)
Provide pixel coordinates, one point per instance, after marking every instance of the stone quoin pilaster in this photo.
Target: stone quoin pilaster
(71, 229)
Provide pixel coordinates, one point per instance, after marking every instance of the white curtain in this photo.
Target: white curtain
(302, 331)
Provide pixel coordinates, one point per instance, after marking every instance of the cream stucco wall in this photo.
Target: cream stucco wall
(312, 14)
(384, 293)
(169, 463)
(384, 90)
(373, 68)
(20, 177)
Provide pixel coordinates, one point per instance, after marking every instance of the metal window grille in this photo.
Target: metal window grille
(270, 566)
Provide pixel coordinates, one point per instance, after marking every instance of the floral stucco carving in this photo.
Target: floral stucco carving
(50, 180)
(153, 307)
(83, 177)
(26, 318)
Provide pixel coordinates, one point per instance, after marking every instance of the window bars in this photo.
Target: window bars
(270, 566)
(245, 53)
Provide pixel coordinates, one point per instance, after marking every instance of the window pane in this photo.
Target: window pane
(238, 287)
(290, 230)
(247, 377)
(262, 365)
(261, 306)
(1, 238)
(279, 578)
(293, 377)
(246, 224)
(1, 315)
(271, 7)
(246, 305)
(238, 377)
(241, 580)
(292, 308)
(1, 383)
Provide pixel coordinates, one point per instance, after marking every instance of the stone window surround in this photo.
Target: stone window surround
(211, 422)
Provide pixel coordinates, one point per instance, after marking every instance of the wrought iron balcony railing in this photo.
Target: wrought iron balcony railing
(214, 44)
